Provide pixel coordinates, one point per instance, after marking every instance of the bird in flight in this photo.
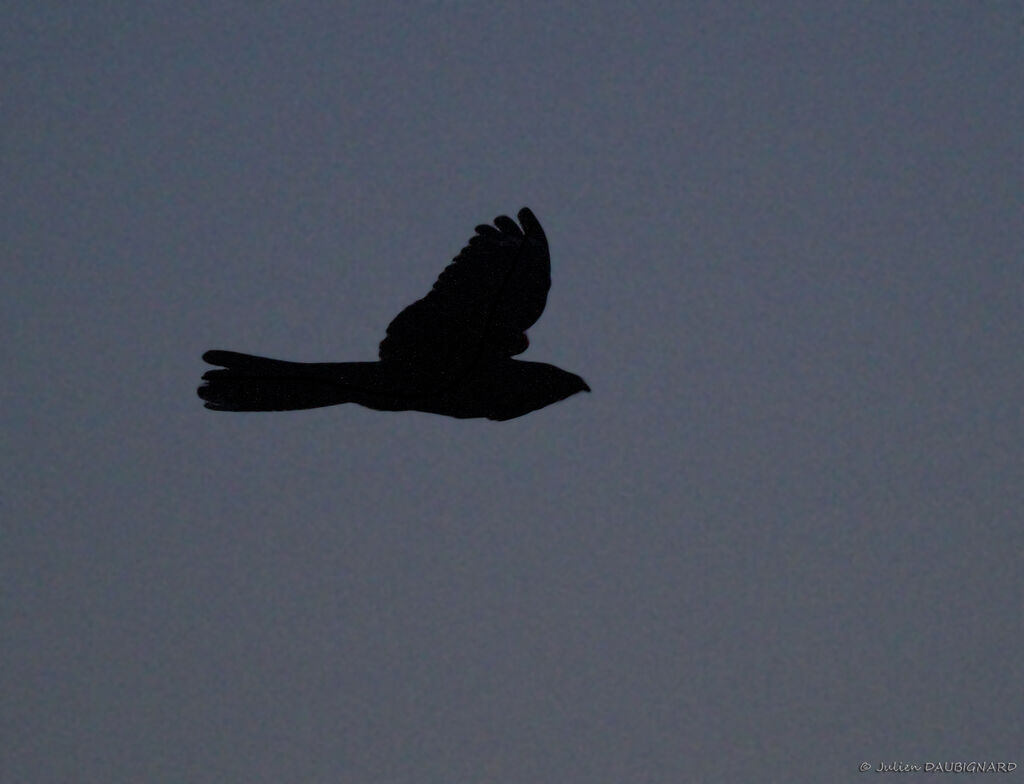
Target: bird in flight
(449, 353)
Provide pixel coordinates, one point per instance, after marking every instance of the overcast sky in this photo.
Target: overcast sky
(781, 537)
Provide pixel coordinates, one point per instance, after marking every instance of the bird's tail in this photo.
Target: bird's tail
(247, 383)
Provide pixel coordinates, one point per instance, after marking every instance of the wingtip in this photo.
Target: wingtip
(529, 222)
(215, 357)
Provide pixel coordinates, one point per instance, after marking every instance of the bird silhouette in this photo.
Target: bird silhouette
(449, 353)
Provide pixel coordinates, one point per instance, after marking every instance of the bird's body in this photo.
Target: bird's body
(449, 353)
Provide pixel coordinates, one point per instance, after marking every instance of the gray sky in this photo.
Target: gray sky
(781, 537)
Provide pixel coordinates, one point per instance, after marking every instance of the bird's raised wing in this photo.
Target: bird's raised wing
(480, 306)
